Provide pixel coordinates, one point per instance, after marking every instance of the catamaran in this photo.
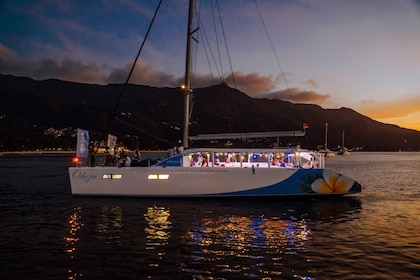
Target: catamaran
(217, 172)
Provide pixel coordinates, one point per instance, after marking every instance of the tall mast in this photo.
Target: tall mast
(326, 136)
(187, 84)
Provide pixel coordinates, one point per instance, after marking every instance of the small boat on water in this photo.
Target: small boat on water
(327, 152)
(218, 172)
(343, 152)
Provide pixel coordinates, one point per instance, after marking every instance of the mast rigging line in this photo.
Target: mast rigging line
(275, 53)
(217, 41)
(230, 65)
(226, 45)
(114, 111)
(143, 131)
(216, 13)
(272, 47)
(208, 51)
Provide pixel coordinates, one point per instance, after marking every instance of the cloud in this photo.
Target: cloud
(143, 74)
(256, 85)
(140, 8)
(71, 70)
(7, 54)
(368, 101)
(64, 69)
(311, 83)
(253, 84)
(298, 95)
(9, 60)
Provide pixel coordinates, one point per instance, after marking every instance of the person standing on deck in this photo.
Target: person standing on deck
(136, 158)
(92, 154)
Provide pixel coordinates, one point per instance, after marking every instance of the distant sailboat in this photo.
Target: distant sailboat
(344, 151)
(326, 151)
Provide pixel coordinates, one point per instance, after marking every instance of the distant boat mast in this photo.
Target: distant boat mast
(326, 136)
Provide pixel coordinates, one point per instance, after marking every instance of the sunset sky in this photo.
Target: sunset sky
(363, 55)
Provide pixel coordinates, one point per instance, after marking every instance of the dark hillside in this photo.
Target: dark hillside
(152, 117)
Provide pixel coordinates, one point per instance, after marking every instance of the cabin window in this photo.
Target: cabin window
(158, 177)
(112, 176)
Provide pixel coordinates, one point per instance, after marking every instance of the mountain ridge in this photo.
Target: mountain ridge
(152, 117)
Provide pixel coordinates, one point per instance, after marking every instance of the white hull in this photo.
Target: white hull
(175, 178)
(182, 181)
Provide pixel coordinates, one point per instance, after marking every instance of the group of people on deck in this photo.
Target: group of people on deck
(285, 162)
(278, 162)
(199, 161)
(121, 159)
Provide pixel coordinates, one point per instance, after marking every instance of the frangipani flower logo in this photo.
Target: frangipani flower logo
(332, 183)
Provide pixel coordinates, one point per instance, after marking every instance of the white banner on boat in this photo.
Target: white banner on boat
(82, 143)
(112, 142)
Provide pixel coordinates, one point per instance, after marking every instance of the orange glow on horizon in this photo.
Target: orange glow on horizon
(404, 113)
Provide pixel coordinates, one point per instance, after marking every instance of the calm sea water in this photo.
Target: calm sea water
(45, 233)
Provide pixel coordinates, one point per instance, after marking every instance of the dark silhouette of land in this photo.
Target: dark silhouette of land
(44, 115)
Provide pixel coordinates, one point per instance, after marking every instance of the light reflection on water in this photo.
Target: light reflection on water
(195, 239)
(158, 233)
(110, 225)
(158, 226)
(71, 239)
(228, 243)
